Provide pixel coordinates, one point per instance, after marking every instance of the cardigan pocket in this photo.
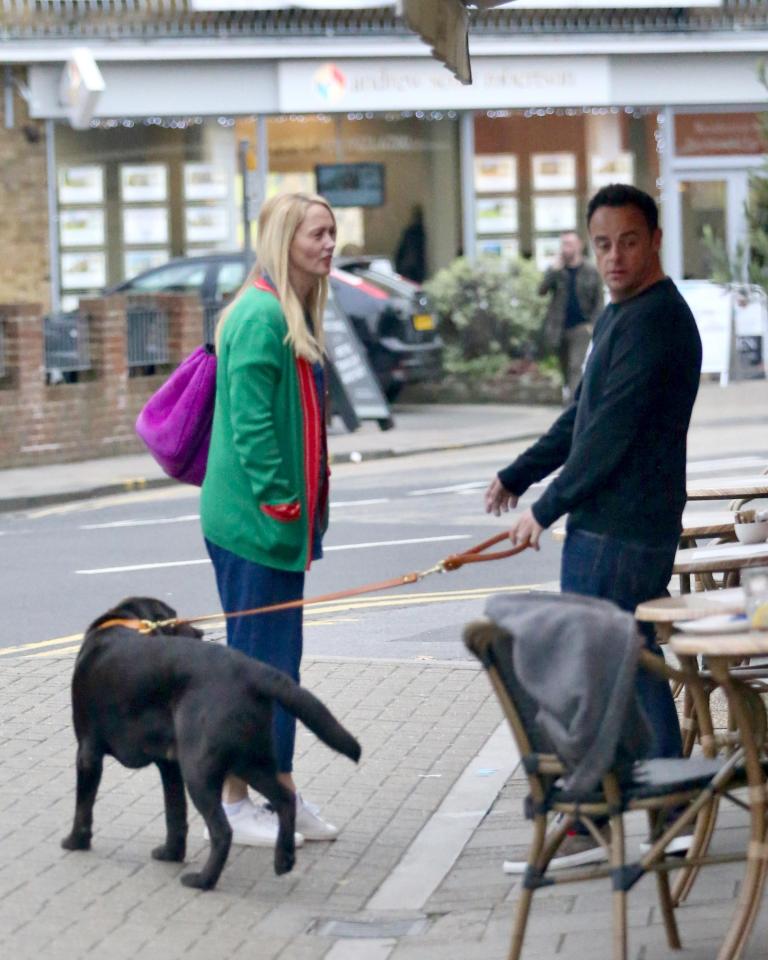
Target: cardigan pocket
(282, 541)
(284, 512)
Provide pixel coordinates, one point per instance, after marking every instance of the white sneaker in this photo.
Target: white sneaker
(254, 826)
(576, 850)
(678, 845)
(311, 824)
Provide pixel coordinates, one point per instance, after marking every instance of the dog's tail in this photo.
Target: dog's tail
(313, 714)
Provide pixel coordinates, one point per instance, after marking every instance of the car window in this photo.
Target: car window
(230, 279)
(393, 285)
(177, 278)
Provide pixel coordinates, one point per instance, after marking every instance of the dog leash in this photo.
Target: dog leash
(476, 554)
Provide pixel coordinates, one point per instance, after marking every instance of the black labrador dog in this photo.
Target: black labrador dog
(199, 711)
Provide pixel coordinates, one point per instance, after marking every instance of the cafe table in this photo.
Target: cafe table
(725, 558)
(697, 525)
(728, 488)
(723, 652)
(664, 612)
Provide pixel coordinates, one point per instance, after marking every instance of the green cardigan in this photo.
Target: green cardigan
(260, 495)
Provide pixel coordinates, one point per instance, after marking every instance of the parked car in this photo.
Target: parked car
(394, 319)
(391, 315)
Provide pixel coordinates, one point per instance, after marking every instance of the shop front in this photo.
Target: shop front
(498, 168)
(715, 154)
(133, 193)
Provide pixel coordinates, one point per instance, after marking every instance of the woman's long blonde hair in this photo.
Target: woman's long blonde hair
(279, 219)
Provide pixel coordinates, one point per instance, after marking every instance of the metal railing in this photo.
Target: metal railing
(147, 332)
(161, 19)
(67, 346)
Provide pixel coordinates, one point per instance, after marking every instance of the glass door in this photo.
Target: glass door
(710, 204)
(703, 215)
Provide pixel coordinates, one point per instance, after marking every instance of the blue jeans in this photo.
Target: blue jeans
(596, 565)
(273, 638)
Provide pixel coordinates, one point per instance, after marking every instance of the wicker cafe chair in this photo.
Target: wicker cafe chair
(678, 789)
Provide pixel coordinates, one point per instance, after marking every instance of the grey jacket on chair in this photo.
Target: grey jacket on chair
(576, 658)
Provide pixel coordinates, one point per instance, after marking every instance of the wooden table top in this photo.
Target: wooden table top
(727, 488)
(692, 606)
(696, 523)
(707, 523)
(754, 643)
(721, 558)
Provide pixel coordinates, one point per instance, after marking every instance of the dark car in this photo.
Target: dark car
(391, 315)
(394, 319)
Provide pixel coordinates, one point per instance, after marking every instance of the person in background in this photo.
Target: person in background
(576, 301)
(622, 448)
(264, 500)
(411, 254)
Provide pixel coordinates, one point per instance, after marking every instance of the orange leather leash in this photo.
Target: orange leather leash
(455, 561)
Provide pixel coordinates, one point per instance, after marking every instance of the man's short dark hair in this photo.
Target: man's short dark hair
(624, 195)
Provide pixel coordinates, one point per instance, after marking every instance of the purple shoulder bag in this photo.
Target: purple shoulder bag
(175, 423)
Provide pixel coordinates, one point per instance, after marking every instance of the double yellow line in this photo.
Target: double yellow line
(319, 615)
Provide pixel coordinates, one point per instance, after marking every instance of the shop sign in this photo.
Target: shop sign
(309, 86)
(719, 134)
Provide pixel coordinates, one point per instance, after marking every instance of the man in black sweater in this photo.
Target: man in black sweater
(621, 443)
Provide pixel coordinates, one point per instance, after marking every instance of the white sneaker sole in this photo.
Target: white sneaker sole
(678, 845)
(312, 836)
(598, 855)
(249, 840)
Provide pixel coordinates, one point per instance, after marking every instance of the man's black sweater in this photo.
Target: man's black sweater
(622, 442)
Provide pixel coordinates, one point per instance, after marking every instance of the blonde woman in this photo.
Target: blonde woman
(264, 503)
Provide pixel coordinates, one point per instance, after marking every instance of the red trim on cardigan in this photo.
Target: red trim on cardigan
(315, 444)
(312, 445)
(261, 284)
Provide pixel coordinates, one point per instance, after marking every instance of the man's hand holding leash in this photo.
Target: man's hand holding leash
(526, 530)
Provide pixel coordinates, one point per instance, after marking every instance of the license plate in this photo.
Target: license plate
(423, 321)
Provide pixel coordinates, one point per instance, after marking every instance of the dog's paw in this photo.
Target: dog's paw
(77, 841)
(197, 881)
(170, 853)
(284, 861)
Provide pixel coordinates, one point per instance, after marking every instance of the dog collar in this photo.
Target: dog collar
(141, 626)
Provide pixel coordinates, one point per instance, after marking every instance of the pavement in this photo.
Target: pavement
(426, 818)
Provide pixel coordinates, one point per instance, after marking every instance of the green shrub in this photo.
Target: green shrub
(489, 307)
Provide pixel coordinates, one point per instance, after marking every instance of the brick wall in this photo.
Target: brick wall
(64, 422)
(24, 205)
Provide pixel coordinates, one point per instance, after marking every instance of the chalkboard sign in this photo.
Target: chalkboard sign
(355, 391)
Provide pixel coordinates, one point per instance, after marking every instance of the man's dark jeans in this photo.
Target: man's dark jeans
(628, 573)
